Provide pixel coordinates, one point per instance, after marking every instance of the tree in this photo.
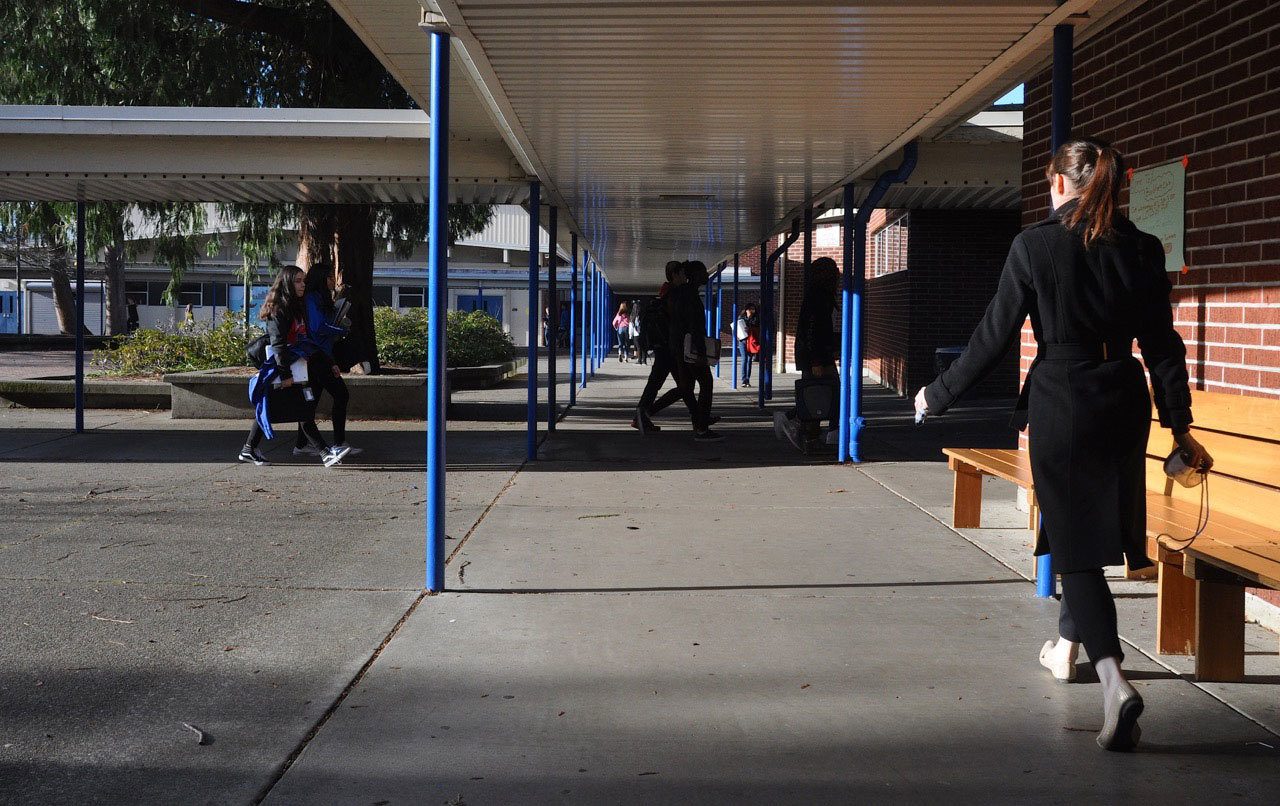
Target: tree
(290, 53)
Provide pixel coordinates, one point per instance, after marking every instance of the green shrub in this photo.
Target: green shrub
(472, 339)
(184, 349)
(401, 337)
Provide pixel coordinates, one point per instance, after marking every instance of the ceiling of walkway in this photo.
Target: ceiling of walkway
(694, 128)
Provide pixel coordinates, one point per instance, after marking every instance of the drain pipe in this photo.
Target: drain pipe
(767, 323)
(851, 344)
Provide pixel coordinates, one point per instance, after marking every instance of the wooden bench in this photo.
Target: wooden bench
(1201, 589)
(970, 465)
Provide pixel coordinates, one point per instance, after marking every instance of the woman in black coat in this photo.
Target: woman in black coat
(1091, 283)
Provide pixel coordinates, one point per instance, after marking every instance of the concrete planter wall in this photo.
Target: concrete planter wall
(98, 394)
(216, 395)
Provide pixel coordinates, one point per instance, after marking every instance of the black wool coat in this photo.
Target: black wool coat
(1090, 417)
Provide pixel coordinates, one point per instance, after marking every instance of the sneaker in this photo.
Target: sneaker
(306, 450)
(643, 424)
(350, 450)
(707, 435)
(1061, 665)
(253, 455)
(746, 383)
(713, 419)
(334, 455)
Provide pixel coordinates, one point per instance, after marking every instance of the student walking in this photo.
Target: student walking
(288, 340)
(688, 325)
(1092, 283)
(657, 329)
(324, 371)
(639, 347)
(747, 332)
(622, 326)
(815, 348)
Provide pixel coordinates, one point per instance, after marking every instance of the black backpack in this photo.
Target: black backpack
(256, 351)
(655, 324)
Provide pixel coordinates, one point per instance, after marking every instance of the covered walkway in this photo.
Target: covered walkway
(631, 620)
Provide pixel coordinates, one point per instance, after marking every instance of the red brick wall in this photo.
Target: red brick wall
(955, 258)
(1199, 78)
(888, 328)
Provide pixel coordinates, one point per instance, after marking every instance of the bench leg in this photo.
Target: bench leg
(966, 499)
(1219, 632)
(1175, 611)
(1033, 511)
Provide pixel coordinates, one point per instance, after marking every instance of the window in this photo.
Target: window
(136, 292)
(382, 295)
(191, 294)
(411, 296)
(889, 248)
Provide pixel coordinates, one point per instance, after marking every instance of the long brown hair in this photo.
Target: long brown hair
(1095, 168)
(281, 296)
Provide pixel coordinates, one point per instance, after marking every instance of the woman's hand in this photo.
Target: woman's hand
(922, 405)
(1195, 453)
(286, 383)
(337, 373)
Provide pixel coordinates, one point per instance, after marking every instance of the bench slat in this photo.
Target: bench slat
(1248, 416)
(1254, 460)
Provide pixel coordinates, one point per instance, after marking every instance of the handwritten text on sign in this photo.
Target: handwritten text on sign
(1156, 205)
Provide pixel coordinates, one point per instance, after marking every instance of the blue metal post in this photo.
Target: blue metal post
(764, 258)
(553, 319)
(767, 317)
(535, 250)
(719, 308)
(856, 423)
(1060, 124)
(586, 321)
(437, 305)
(733, 325)
(80, 317)
(846, 329)
(573, 306)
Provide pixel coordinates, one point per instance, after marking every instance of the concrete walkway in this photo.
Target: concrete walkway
(630, 620)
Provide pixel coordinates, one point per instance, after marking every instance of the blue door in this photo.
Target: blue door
(8, 311)
(476, 302)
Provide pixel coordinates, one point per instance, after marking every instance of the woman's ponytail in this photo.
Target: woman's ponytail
(1095, 168)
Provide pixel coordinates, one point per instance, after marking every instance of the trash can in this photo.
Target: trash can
(944, 357)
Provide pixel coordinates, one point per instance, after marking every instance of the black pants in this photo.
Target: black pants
(309, 428)
(322, 380)
(1088, 614)
(665, 365)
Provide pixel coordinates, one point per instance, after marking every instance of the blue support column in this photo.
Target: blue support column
(909, 154)
(1060, 125)
(535, 251)
(585, 329)
(768, 319)
(847, 367)
(573, 317)
(719, 328)
(553, 318)
(733, 324)
(79, 317)
(437, 305)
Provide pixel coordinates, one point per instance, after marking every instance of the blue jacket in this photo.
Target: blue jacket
(259, 385)
(320, 328)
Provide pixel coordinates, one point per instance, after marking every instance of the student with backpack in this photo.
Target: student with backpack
(656, 332)
(288, 342)
(639, 345)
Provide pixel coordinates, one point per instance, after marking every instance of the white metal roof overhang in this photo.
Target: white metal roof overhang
(252, 155)
(694, 128)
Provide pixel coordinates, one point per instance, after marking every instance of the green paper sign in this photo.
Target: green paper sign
(1156, 206)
